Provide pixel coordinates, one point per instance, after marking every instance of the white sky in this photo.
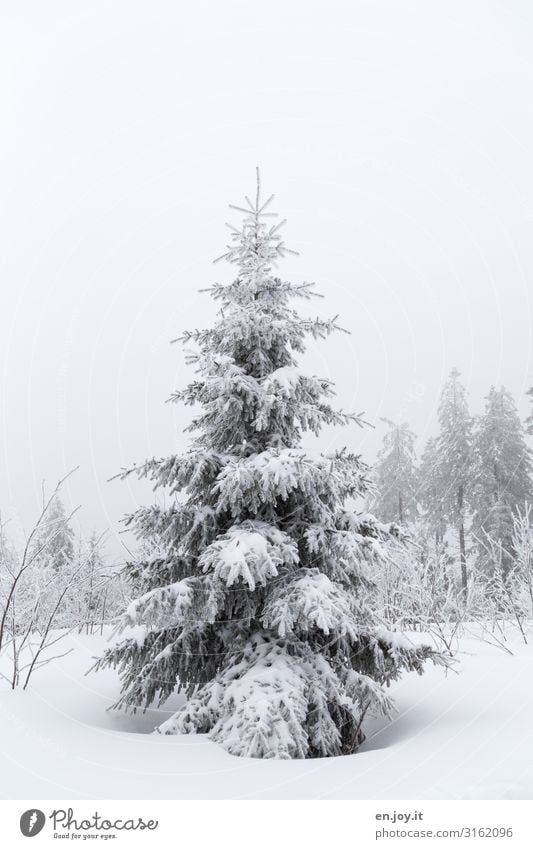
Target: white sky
(397, 137)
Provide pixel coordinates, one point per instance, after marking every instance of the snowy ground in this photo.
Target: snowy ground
(461, 736)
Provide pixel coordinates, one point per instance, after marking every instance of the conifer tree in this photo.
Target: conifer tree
(454, 460)
(429, 491)
(396, 475)
(258, 599)
(56, 539)
(503, 471)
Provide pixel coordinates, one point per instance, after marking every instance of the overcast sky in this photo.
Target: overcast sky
(397, 137)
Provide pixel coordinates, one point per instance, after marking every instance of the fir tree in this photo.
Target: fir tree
(396, 475)
(454, 460)
(429, 491)
(503, 470)
(56, 539)
(257, 603)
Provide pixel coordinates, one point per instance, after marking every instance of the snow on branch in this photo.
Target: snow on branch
(251, 552)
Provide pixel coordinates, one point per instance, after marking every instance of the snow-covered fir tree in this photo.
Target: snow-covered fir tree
(54, 543)
(454, 460)
(396, 475)
(257, 602)
(502, 482)
(428, 492)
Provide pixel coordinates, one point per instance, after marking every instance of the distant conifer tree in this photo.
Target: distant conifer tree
(396, 476)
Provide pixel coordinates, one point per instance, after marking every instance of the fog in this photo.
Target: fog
(397, 137)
